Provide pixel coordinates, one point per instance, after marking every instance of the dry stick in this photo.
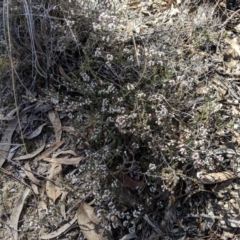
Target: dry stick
(213, 217)
(33, 172)
(228, 19)
(155, 228)
(12, 75)
(135, 47)
(19, 180)
(22, 180)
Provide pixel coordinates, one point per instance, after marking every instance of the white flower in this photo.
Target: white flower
(111, 26)
(98, 53)
(96, 26)
(135, 145)
(85, 77)
(130, 87)
(183, 151)
(109, 57)
(152, 167)
(103, 16)
(141, 95)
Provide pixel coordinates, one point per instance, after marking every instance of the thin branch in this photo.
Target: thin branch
(213, 217)
(12, 74)
(155, 228)
(228, 19)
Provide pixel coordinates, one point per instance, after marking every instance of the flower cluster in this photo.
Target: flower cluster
(123, 122)
(106, 22)
(160, 114)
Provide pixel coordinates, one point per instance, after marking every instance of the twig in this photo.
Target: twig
(155, 228)
(19, 180)
(213, 217)
(228, 19)
(12, 74)
(136, 50)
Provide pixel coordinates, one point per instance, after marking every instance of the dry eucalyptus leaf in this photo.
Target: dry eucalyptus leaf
(237, 28)
(213, 178)
(13, 222)
(6, 140)
(35, 133)
(65, 160)
(35, 188)
(89, 223)
(173, 12)
(63, 205)
(49, 150)
(53, 191)
(64, 74)
(69, 129)
(28, 172)
(234, 44)
(230, 54)
(133, 4)
(227, 235)
(9, 116)
(128, 182)
(64, 152)
(59, 231)
(12, 113)
(231, 65)
(42, 202)
(129, 236)
(2, 117)
(12, 151)
(6, 118)
(56, 122)
(31, 155)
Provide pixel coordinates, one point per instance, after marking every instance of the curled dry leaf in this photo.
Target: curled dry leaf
(12, 152)
(13, 222)
(69, 129)
(234, 44)
(59, 231)
(89, 223)
(64, 152)
(213, 178)
(129, 236)
(31, 155)
(50, 150)
(56, 122)
(28, 172)
(35, 133)
(42, 202)
(12, 113)
(9, 116)
(65, 160)
(53, 191)
(6, 140)
(128, 182)
(63, 205)
(35, 188)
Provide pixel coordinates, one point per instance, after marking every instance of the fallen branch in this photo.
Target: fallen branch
(213, 217)
(228, 19)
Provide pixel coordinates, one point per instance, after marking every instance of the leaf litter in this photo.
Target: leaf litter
(53, 190)
(14, 218)
(89, 223)
(31, 155)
